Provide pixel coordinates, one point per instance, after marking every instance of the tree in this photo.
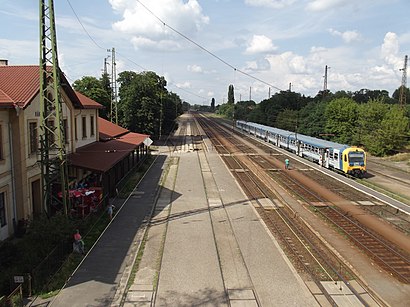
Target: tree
(312, 119)
(341, 118)
(94, 89)
(243, 109)
(287, 120)
(231, 95)
(146, 106)
(213, 105)
(396, 94)
(368, 124)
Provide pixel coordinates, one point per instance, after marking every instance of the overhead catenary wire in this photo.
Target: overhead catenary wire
(122, 55)
(206, 50)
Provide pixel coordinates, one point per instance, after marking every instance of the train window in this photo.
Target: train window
(336, 155)
(345, 157)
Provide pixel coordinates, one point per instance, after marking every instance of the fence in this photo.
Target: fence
(14, 299)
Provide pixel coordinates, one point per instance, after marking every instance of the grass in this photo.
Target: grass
(135, 267)
(401, 157)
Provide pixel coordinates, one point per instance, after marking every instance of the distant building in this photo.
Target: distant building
(97, 149)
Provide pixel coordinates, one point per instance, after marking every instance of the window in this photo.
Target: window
(3, 220)
(33, 137)
(84, 127)
(91, 125)
(1, 143)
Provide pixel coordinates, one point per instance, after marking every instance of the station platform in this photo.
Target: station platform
(201, 243)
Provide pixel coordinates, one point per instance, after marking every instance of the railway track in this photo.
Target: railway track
(392, 260)
(309, 253)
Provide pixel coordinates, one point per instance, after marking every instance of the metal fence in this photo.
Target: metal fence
(14, 299)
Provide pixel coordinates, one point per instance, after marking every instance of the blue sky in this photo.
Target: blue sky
(277, 41)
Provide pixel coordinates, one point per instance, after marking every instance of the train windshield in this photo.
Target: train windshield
(356, 157)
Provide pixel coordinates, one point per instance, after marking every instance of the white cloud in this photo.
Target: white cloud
(194, 68)
(15, 50)
(186, 84)
(260, 44)
(347, 36)
(390, 50)
(186, 17)
(322, 5)
(276, 4)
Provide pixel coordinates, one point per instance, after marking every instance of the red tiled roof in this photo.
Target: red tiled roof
(19, 83)
(88, 103)
(102, 156)
(5, 100)
(109, 130)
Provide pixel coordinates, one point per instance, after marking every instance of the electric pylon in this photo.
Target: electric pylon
(54, 169)
(325, 82)
(114, 108)
(402, 98)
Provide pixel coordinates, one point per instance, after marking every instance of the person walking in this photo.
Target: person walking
(110, 210)
(286, 163)
(78, 245)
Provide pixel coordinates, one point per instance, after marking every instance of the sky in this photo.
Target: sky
(203, 46)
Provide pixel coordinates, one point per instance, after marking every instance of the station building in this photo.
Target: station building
(99, 153)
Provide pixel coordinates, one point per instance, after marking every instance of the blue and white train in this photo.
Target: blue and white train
(347, 159)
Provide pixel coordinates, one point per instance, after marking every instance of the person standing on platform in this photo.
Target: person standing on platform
(286, 163)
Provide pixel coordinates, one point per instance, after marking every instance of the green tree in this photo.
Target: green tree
(396, 95)
(146, 106)
(243, 109)
(231, 95)
(341, 118)
(382, 127)
(370, 117)
(287, 120)
(95, 89)
(312, 119)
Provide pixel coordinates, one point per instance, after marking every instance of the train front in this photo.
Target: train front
(354, 161)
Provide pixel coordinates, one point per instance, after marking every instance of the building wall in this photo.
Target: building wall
(91, 134)
(6, 187)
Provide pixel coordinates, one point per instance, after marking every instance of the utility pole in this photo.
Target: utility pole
(250, 93)
(325, 82)
(402, 98)
(54, 171)
(114, 107)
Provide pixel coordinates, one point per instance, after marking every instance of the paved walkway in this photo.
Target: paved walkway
(96, 281)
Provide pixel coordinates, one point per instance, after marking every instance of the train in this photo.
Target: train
(343, 158)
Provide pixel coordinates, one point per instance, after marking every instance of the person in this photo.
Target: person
(110, 210)
(286, 163)
(78, 245)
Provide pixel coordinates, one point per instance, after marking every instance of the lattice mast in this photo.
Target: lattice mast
(114, 108)
(53, 159)
(325, 82)
(402, 98)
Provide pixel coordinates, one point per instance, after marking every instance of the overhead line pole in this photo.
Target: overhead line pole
(402, 98)
(114, 107)
(54, 171)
